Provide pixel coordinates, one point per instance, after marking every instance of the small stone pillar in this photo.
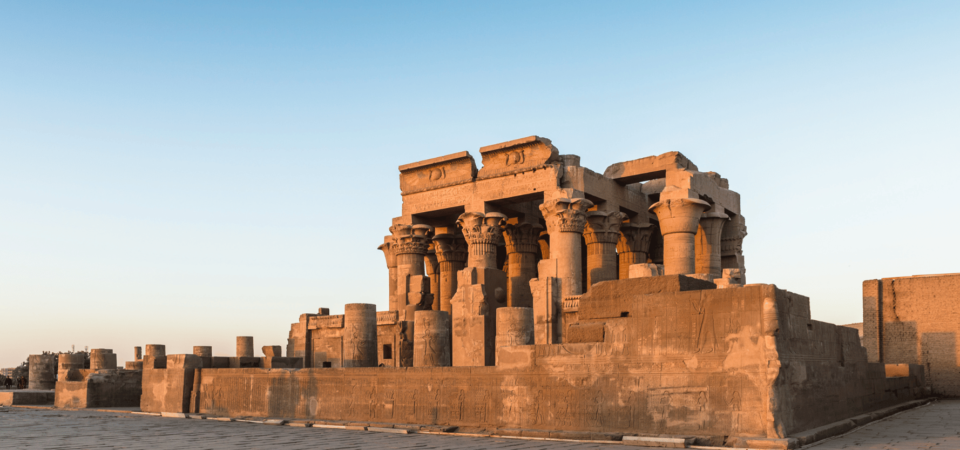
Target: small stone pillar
(514, 327)
(137, 354)
(483, 235)
(103, 358)
(66, 362)
(244, 346)
(41, 373)
(679, 219)
(522, 244)
(708, 242)
(388, 254)
(731, 245)
(633, 246)
(360, 335)
(410, 246)
(601, 233)
(156, 350)
(272, 351)
(204, 351)
(451, 251)
(431, 339)
(566, 219)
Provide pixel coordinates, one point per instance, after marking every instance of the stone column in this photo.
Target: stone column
(708, 242)
(601, 233)
(514, 327)
(566, 218)
(102, 358)
(633, 246)
(388, 254)
(411, 243)
(679, 219)
(522, 244)
(41, 372)
(203, 351)
(451, 251)
(155, 356)
(156, 350)
(431, 339)
(137, 354)
(482, 233)
(544, 241)
(244, 346)
(360, 335)
(66, 362)
(432, 269)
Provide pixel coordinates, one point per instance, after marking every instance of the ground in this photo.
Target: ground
(936, 426)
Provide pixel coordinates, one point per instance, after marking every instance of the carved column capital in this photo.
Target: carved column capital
(411, 239)
(635, 237)
(450, 248)
(480, 228)
(522, 238)
(603, 227)
(679, 215)
(565, 214)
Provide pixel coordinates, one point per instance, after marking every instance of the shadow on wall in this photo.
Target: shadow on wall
(939, 351)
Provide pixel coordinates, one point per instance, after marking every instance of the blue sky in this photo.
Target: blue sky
(182, 173)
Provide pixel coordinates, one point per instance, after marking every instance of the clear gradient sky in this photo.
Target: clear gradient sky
(182, 173)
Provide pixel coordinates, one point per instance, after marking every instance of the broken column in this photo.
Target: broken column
(137, 354)
(388, 254)
(633, 246)
(432, 267)
(360, 335)
(431, 341)
(679, 220)
(731, 245)
(708, 241)
(514, 327)
(102, 359)
(205, 353)
(522, 244)
(547, 298)
(601, 233)
(155, 356)
(67, 362)
(451, 251)
(244, 346)
(42, 370)
(565, 219)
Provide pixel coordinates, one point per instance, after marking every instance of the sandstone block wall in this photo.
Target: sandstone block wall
(916, 320)
(733, 362)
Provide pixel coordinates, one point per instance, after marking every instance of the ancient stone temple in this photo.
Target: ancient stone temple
(534, 296)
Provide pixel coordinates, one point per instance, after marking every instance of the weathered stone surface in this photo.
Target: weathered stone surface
(100, 389)
(42, 373)
(244, 346)
(914, 320)
(26, 397)
(619, 297)
(517, 156)
(455, 168)
(102, 359)
(431, 341)
(169, 389)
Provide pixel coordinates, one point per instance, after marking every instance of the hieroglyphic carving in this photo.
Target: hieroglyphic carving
(318, 322)
(387, 317)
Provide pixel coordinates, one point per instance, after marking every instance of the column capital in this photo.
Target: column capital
(522, 237)
(635, 237)
(480, 228)
(565, 214)
(603, 227)
(679, 215)
(388, 253)
(450, 248)
(411, 239)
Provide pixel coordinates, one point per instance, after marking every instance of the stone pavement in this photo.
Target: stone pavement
(936, 426)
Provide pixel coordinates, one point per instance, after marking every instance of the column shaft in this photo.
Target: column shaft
(565, 219)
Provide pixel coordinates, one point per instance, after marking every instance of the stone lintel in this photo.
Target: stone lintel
(318, 322)
(455, 168)
(649, 168)
(518, 155)
(387, 317)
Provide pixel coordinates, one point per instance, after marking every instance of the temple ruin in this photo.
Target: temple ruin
(536, 297)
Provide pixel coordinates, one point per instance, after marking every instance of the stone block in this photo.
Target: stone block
(645, 270)
(614, 298)
(42, 372)
(26, 397)
(169, 389)
(584, 332)
(515, 156)
(271, 351)
(455, 168)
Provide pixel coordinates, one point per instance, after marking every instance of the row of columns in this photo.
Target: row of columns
(686, 225)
